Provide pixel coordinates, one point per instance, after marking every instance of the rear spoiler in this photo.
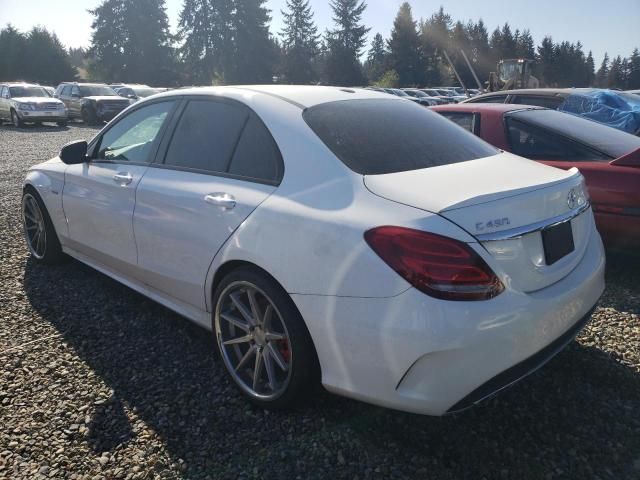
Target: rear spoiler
(631, 159)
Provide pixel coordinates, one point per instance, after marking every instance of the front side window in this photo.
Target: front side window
(387, 136)
(206, 136)
(540, 144)
(462, 119)
(75, 90)
(131, 138)
(66, 91)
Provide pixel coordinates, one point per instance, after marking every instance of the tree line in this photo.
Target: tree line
(229, 42)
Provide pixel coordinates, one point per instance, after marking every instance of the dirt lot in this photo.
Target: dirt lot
(98, 382)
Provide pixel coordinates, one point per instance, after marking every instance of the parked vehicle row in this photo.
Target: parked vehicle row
(22, 103)
(444, 269)
(617, 109)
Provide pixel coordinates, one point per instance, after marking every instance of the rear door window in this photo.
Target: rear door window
(257, 156)
(540, 144)
(206, 136)
(466, 120)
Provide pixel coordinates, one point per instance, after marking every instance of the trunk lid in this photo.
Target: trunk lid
(498, 197)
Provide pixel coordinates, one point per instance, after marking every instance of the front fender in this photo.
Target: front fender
(48, 180)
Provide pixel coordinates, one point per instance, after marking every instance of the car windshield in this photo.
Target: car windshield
(399, 93)
(446, 93)
(610, 141)
(97, 91)
(418, 93)
(387, 136)
(28, 92)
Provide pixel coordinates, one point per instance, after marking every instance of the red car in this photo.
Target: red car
(609, 159)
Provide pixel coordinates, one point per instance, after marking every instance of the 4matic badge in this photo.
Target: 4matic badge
(498, 222)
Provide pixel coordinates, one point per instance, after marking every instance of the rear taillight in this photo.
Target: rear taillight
(438, 266)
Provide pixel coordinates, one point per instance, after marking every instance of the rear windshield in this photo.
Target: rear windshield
(612, 142)
(377, 136)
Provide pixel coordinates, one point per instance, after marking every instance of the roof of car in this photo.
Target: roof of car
(20, 84)
(482, 107)
(303, 96)
(538, 91)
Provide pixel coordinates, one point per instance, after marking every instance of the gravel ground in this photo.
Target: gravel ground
(98, 382)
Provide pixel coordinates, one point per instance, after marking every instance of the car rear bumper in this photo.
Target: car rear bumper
(419, 354)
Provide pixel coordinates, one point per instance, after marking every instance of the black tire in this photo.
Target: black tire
(304, 371)
(15, 119)
(62, 124)
(89, 116)
(51, 252)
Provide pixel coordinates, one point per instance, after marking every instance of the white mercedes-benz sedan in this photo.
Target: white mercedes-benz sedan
(330, 235)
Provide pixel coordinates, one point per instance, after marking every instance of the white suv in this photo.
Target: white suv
(23, 103)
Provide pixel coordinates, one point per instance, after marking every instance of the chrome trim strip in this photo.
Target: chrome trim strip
(518, 232)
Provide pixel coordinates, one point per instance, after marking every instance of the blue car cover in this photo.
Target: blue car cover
(617, 109)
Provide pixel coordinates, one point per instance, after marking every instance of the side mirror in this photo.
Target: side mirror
(131, 96)
(74, 152)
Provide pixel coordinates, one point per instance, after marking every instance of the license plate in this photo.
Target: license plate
(557, 242)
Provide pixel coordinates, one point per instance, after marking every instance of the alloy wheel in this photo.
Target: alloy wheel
(14, 119)
(34, 226)
(253, 341)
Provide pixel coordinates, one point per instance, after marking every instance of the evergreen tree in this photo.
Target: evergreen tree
(634, 70)
(254, 51)
(13, 62)
(590, 70)
(434, 39)
(478, 53)
(131, 42)
(616, 77)
(404, 46)
(603, 72)
(49, 62)
(299, 41)
(345, 42)
(37, 56)
(375, 65)
(525, 46)
(507, 43)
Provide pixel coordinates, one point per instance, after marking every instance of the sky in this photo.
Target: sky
(600, 27)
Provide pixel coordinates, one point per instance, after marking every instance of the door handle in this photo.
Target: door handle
(123, 178)
(221, 199)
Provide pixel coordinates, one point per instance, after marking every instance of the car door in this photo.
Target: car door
(74, 101)
(65, 97)
(99, 195)
(4, 103)
(219, 165)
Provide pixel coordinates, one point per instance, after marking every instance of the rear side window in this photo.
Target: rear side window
(381, 136)
(540, 144)
(256, 155)
(462, 119)
(546, 102)
(206, 136)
